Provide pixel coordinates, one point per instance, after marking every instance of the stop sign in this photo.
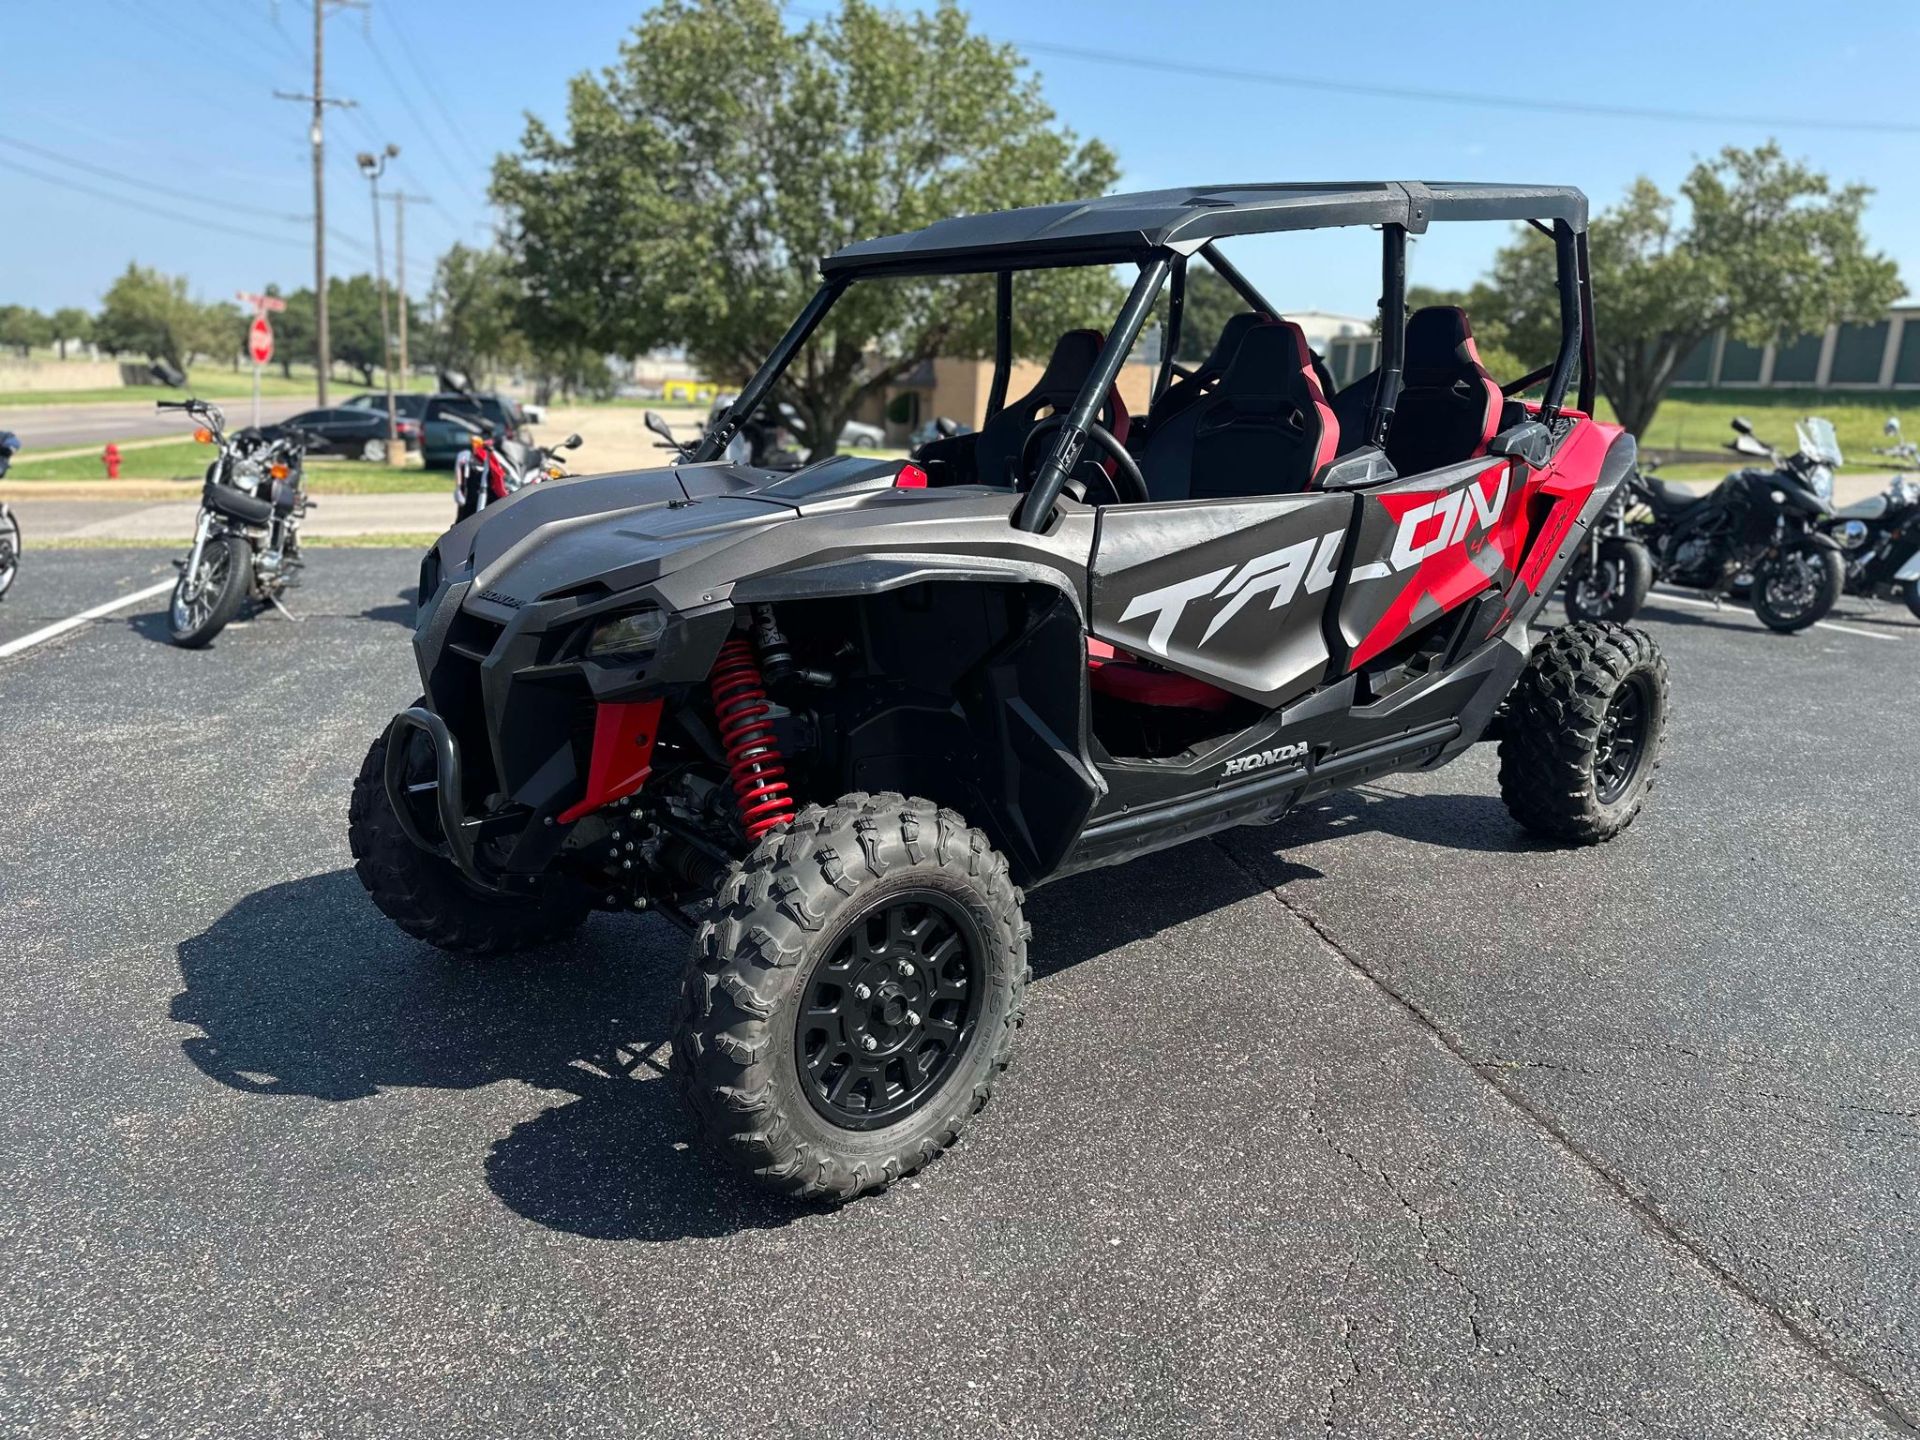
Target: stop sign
(260, 340)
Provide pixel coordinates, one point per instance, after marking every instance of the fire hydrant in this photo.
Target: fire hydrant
(112, 456)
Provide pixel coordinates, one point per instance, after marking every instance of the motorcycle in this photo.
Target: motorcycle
(1879, 537)
(492, 468)
(1759, 528)
(9, 525)
(246, 542)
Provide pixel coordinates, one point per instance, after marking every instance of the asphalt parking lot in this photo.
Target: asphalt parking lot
(1380, 1121)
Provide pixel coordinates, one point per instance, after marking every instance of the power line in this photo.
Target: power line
(1478, 100)
(65, 184)
(430, 88)
(105, 174)
(453, 171)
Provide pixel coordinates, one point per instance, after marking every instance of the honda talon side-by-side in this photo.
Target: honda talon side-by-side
(834, 721)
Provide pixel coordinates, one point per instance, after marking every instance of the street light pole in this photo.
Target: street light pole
(373, 167)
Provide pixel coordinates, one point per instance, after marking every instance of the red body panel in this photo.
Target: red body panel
(623, 736)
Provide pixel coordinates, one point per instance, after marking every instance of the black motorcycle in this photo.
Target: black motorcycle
(1879, 537)
(1759, 527)
(9, 526)
(246, 542)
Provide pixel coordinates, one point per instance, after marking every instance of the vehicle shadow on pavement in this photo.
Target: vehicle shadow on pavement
(402, 613)
(304, 989)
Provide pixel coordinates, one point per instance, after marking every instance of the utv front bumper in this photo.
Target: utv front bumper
(455, 841)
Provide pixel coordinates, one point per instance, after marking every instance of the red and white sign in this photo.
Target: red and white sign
(261, 303)
(260, 340)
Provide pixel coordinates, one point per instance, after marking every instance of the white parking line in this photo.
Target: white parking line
(74, 622)
(1818, 624)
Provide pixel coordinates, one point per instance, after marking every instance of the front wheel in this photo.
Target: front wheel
(424, 894)
(1615, 585)
(853, 996)
(1582, 737)
(1798, 587)
(205, 600)
(9, 550)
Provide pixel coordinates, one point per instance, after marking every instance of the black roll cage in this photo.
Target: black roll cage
(1159, 265)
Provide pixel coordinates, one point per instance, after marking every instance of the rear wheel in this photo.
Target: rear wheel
(1583, 733)
(425, 895)
(1615, 585)
(1798, 587)
(205, 601)
(853, 996)
(374, 451)
(1911, 594)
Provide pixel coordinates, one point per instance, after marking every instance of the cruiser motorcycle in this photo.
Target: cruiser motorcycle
(1758, 531)
(246, 542)
(1879, 537)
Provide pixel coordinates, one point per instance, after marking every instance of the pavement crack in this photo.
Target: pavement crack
(1879, 1400)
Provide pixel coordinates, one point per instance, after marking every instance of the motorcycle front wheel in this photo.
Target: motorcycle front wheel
(1797, 587)
(1614, 586)
(9, 550)
(206, 600)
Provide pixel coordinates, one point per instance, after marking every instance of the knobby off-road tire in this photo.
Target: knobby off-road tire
(1629, 569)
(1582, 739)
(426, 897)
(752, 1056)
(1830, 580)
(227, 561)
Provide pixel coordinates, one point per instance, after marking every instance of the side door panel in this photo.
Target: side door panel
(1232, 591)
(1427, 544)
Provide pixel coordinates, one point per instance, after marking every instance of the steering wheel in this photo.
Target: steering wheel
(1129, 486)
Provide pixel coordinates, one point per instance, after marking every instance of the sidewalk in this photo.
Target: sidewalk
(144, 520)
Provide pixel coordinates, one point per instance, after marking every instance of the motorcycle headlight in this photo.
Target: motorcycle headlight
(631, 634)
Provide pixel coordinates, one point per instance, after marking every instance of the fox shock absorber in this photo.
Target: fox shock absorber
(754, 761)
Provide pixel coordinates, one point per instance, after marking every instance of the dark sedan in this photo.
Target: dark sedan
(349, 430)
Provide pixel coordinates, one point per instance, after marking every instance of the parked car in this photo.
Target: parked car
(358, 433)
(854, 435)
(831, 721)
(442, 442)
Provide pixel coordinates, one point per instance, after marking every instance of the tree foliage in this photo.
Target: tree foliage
(69, 324)
(701, 177)
(1768, 249)
(477, 300)
(23, 328)
(147, 313)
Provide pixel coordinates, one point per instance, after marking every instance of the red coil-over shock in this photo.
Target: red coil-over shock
(753, 754)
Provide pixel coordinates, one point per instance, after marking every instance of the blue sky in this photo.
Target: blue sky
(180, 96)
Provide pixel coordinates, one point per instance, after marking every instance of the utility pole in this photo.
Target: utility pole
(373, 167)
(400, 199)
(316, 133)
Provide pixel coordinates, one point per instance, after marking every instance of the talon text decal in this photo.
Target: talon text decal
(1278, 573)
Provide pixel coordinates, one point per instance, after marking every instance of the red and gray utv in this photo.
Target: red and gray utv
(832, 721)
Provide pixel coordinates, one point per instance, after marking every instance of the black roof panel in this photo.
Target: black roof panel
(1118, 227)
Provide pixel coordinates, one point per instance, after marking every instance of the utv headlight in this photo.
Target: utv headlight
(627, 634)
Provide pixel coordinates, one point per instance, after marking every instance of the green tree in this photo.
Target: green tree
(1210, 303)
(353, 324)
(147, 313)
(478, 305)
(70, 324)
(701, 177)
(293, 329)
(218, 330)
(24, 328)
(1768, 249)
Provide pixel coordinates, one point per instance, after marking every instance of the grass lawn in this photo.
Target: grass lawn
(186, 460)
(1698, 419)
(209, 384)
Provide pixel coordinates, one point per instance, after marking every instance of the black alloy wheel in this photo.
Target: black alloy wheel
(1621, 743)
(891, 1011)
